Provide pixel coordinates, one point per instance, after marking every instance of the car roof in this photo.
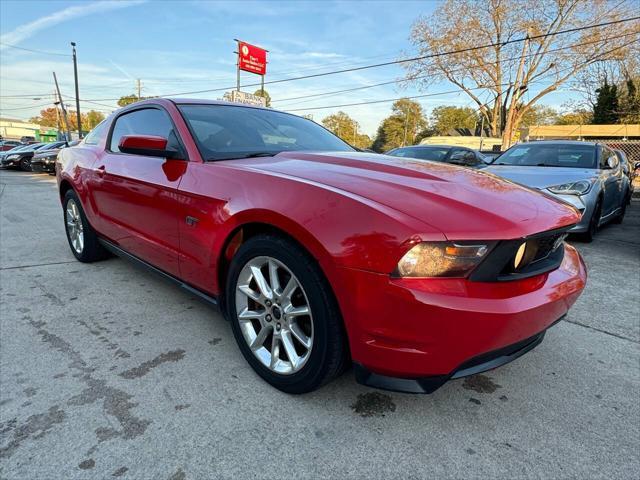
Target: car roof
(559, 142)
(431, 146)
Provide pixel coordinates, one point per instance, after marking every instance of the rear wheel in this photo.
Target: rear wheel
(283, 315)
(82, 238)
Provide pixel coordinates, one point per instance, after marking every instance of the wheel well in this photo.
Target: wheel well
(65, 186)
(243, 233)
(239, 236)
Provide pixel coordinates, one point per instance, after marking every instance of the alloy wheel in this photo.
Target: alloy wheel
(274, 315)
(75, 229)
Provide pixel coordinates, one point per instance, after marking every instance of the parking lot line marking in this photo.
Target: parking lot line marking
(601, 331)
(37, 265)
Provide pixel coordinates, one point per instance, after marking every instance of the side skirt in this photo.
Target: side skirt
(211, 300)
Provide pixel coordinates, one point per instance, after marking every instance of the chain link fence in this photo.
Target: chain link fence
(632, 149)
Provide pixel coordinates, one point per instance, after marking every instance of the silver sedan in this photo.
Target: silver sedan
(585, 174)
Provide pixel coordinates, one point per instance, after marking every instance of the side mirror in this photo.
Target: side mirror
(148, 145)
(636, 165)
(612, 162)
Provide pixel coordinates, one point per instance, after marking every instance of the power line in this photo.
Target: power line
(450, 71)
(405, 60)
(443, 93)
(35, 51)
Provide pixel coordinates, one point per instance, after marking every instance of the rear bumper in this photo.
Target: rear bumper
(419, 329)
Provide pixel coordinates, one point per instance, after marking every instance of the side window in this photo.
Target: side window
(149, 121)
(97, 134)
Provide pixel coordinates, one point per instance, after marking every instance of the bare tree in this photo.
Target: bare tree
(514, 76)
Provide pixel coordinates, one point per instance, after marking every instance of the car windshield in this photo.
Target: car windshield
(224, 132)
(51, 146)
(549, 155)
(436, 154)
(16, 149)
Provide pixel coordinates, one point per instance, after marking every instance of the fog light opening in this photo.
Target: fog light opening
(519, 255)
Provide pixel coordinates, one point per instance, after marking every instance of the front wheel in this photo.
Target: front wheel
(594, 223)
(284, 316)
(25, 164)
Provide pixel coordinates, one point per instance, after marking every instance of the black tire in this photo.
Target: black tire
(92, 250)
(590, 234)
(623, 210)
(329, 352)
(25, 164)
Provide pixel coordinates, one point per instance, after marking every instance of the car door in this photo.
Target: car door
(136, 195)
(611, 175)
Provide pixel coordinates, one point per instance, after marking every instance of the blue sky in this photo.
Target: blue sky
(186, 46)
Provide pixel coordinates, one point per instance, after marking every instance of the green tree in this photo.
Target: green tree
(347, 129)
(606, 109)
(576, 117)
(129, 99)
(91, 119)
(263, 93)
(629, 101)
(539, 115)
(447, 117)
(403, 127)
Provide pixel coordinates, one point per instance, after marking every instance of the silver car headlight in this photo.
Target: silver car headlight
(441, 259)
(573, 188)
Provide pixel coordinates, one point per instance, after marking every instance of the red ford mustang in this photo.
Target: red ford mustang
(318, 254)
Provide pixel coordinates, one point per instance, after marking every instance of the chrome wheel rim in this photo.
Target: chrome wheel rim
(274, 315)
(75, 229)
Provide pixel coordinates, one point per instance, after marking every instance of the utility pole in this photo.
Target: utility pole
(139, 89)
(75, 74)
(64, 110)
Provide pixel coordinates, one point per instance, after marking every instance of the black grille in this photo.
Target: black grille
(542, 254)
(546, 245)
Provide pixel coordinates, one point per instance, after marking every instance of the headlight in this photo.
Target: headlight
(441, 259)
(574, 188)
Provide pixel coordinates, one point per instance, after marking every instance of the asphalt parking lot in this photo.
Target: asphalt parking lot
(108, 372)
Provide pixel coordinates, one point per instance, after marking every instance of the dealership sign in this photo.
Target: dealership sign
(252, 59)
(237, 96)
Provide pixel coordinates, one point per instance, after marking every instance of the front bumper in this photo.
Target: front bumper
(585, 205)
(432, 330)
(479, 364)
(43, 166)
(13, 163)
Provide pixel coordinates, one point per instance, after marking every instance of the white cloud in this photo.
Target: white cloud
(27, 30)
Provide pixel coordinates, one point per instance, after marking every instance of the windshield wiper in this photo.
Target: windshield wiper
(248, 155)
(546, 165)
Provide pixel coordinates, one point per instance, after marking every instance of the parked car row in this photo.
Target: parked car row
(591, 177)
(37, 157)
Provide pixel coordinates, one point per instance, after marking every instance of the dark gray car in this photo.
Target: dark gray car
(443, 153)
(587, 175)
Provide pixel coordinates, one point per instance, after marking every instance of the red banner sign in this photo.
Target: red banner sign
(252, 59)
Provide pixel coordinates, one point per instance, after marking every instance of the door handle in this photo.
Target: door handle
(100, 171)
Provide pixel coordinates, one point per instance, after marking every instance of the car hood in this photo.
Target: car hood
(541, 177)
(46, 153)
(460, 202)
